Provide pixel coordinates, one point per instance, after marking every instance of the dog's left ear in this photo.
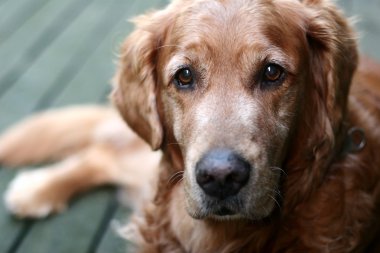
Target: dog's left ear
(334, 59)
(134, 84)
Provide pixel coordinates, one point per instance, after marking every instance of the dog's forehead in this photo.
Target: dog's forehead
(234, 34)
(216, 19)
(238, 23)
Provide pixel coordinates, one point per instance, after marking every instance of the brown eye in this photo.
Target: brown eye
(184, 78)
(273, 75)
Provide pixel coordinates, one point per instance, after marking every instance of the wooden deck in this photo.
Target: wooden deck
(56, 53)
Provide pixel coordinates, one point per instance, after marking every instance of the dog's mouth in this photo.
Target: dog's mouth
(223, 211)
(235, 208)
(226, 209)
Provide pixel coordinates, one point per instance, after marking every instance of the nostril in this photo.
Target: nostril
(222, 173)
(238, 176)
(203, 178)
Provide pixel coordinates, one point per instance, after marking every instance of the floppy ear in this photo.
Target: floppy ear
(334, 58)
(134, 85)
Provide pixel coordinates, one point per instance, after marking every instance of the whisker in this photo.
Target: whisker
(276, 192)
(176, 176)
(266, 209)
(180, 180)
(275, 200)
(279, 169)
(178, 173)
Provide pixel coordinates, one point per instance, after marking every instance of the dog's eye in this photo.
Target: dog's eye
(184, 78)
(273, 75)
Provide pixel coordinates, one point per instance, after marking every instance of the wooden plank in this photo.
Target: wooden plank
(14, 14)
(112, 208)
(31, 86)
(87, 228)
(28, 33)
(70, 231)
(40, 229)
(31, 30)
(15, 66)
(95, 74)
(7, 8)
(112, 242)
(71, 97)
(12, 229)
(111, 16)
(100, 65)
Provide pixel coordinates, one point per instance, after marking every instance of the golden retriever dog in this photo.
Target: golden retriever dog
(268, 134)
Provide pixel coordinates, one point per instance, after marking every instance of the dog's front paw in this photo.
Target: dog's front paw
(29, 195)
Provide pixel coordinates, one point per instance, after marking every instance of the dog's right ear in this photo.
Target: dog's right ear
(134, 84)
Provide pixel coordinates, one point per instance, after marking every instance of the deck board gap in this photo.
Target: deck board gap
(109, 213)
(23, 232)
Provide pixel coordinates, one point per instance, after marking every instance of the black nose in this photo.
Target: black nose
(222, 173)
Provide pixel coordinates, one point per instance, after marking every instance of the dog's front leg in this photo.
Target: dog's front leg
(47, 190)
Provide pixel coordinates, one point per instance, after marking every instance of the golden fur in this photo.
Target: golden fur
(309, 190)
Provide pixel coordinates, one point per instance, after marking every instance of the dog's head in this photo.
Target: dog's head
(235, 89)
